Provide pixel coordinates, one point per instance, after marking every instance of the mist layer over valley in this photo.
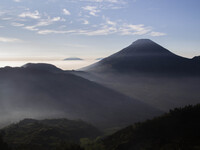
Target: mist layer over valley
(138, 83)
(44, 91)
(150, 73)
(99, 75)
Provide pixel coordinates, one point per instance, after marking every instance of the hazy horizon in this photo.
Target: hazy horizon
(99, 74)
(91, 29)
(65, 65)
(57, 61)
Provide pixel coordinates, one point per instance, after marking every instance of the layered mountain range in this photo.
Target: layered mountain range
(45, 91)
(134, 84)
(149, 72)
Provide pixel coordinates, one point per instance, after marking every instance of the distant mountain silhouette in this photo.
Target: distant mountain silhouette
(72, 58)
(150, 73)
(33, 92)
(42, 67)
(146, 56)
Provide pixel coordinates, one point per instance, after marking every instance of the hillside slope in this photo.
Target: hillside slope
(177, 130)
(31, 92)
(47, 134)
(151, 73)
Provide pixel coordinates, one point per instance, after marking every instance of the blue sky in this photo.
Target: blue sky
(56, 29)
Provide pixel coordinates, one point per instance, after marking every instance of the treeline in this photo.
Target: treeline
(3, 145)
(177, 130)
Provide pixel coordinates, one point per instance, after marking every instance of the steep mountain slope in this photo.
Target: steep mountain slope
(29, 92)
(150, 73)
(47, 134)
(146, 56)
(178, 129)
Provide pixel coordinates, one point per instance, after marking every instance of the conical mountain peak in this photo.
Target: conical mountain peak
(146, 56)
(145, 46)
(143, 41)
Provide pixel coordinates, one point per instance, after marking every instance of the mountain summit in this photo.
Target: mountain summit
(146, 56)
(41, 67)
(151, 73)
(146, 46)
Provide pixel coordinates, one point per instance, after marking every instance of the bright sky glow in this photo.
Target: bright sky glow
(90, 29)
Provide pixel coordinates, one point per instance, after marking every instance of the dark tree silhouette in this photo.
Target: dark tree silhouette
(3, 145)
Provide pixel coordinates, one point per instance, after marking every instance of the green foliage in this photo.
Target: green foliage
(176, 130)
(88, 144)
(32, 134)
(69, 146)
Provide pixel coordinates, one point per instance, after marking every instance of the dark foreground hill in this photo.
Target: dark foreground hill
(3, 145)
(47, 134)
(176, 130)
(44, 91)
(151, 73)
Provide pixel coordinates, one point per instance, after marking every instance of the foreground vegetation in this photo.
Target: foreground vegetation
(30, 134)
(177, 130)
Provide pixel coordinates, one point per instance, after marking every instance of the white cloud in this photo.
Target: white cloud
(103, 30)
(31, 28)
(131, 29)
(157, 34)
(66, 12)
(109, 22)
(140, 29)
(86, 22)
(108, 28)
(9, 40)
(15, 24)
(43, 32)
(33, 15)
(92, 10)
(43, 22)
(95, 26)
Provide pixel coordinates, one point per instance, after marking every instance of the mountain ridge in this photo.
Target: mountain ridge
(178, 129)
(150, 73)
(42, 67)
(37, 93)
(146, 56)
